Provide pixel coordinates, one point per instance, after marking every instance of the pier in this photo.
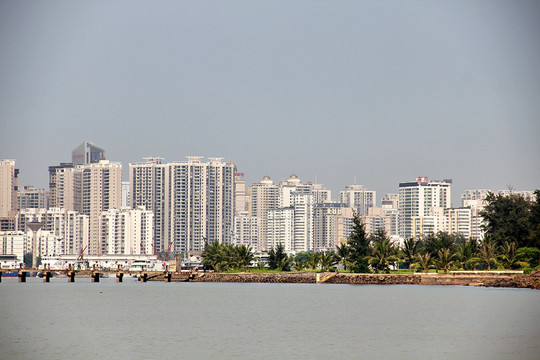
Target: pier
(94, 273)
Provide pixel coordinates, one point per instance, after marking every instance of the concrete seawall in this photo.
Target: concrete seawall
(511, 280)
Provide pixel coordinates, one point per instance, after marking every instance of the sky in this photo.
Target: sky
(337, 92)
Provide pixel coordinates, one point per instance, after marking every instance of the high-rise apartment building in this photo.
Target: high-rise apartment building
(303, 204)
(321, 194)
(384, 217)
(296, 201)
(13, 243)
(203, 203)
(277, 205)
(71, 228)
(240, 194)
(125, 194)
(30, 197)
(101, 189)
(457, 221)
(419, 201)
(127, 231)
(246, 227)
(87, 153)
(280, 229)
(475, 200)
(246, 230)
(359, 198)
(88, 189)
(65, 187)
(149, 186)
(193, 201)
(332, 225)
(8, 188)
(390, 201)
(264, 196)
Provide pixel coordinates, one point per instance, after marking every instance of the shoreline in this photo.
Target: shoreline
(502, 279)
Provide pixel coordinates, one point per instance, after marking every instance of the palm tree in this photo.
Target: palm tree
(278, 259)
(328, 260)
(466, 253)
(226, 256)
(444, 260)
(343, 254)
(383, 252)
(313, 260)
(425, 260)
(508, 256)
(285, 264)
(244, 256)
(410, 249)
(487, 251)
(212, 255)
(300, 261)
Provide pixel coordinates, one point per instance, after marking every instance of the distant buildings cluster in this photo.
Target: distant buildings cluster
(179, 206)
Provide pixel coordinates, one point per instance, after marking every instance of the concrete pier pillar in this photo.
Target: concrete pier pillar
(95, 277)
(46, 276)
(1, 276)
(22, 276)
(71, 276)
(119, 276)
(143, 277)
(169, 276)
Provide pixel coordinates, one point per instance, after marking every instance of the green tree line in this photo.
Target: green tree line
(512, 241)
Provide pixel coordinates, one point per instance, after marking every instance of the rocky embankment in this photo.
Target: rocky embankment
(511, 280)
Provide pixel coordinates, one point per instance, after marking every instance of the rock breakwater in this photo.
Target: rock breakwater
(511, 280)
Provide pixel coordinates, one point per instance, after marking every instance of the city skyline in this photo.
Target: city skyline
(336, 196)
(380, 93)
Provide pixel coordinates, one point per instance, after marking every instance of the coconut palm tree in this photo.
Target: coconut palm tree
(466, 253)
(300, 261)
(343, 254)
(328, 259)
(425, 260)
(487, 251)
(444, 259)
(212, 255)
(409, 249)
(383, 253)
(244, 256)
(313, 260)
(509, 257)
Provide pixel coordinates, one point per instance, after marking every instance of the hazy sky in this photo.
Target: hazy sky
(380, 91)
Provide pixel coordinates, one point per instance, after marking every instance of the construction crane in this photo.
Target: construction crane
(166, 254)
(81, 254)
(143, 250)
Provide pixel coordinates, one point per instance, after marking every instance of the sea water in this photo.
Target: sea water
(157, 320)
